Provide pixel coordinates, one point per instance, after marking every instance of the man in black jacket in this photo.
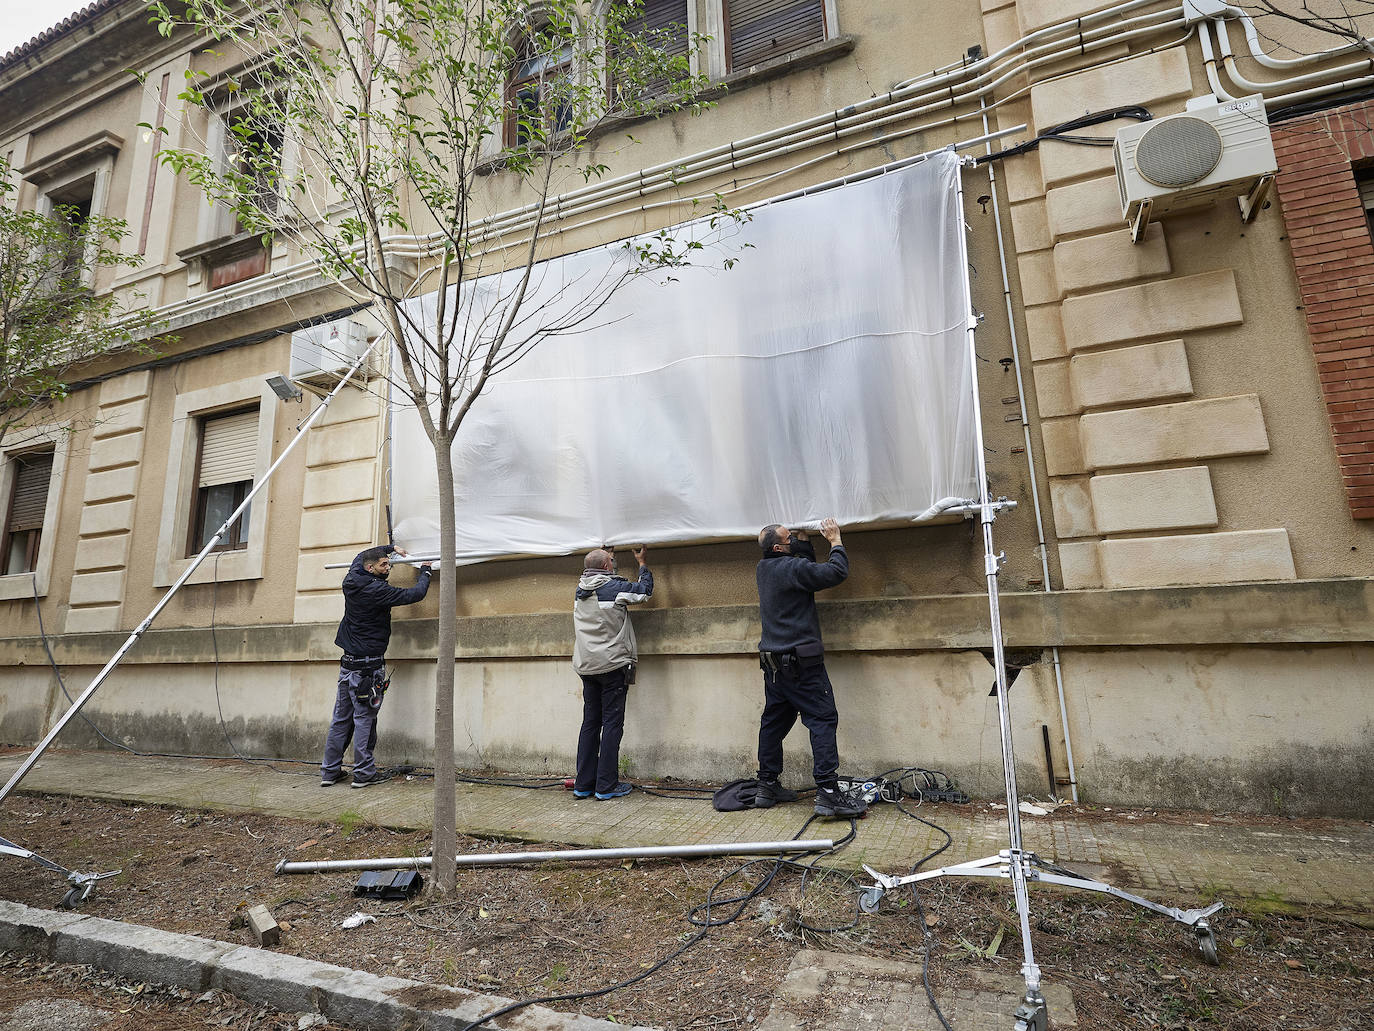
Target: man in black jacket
(793, 661)
(364, 633)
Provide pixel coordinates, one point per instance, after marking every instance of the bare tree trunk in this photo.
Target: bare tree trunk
(445, 816)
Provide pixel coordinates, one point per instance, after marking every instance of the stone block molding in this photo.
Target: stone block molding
(1333, 254)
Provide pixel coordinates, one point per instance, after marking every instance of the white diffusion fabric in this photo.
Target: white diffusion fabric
(825, 374)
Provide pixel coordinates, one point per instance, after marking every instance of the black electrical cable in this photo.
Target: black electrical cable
(1058, 133)
(926, 935)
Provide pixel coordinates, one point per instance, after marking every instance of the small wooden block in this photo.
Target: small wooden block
(264, 926)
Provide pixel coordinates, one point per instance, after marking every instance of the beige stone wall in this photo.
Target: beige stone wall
(1182, 425)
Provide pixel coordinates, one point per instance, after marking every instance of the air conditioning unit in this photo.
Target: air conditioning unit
(1210, 151)
(321, 355)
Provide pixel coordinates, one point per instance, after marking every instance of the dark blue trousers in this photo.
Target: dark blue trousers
(603, 725)
(792, 691)
(356, 708)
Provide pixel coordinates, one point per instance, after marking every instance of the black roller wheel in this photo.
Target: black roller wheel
(870, 899)
(73, 898)
(1207, 944)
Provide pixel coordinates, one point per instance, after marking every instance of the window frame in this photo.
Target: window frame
(199, 504)
(36, 534)
(727, 43)
(54, 437)
(510, 121)
(691, 51)
(179, 493)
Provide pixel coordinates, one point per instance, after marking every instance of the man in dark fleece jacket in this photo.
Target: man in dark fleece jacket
(604, 655)
(793, 661)
(364, 633)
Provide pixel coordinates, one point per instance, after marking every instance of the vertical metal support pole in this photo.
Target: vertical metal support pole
(992, 563)
(142, 627)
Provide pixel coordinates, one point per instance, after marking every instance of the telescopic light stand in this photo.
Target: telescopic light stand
(1015, 863)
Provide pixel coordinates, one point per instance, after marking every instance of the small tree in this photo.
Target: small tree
(363, 133)
(51, 317)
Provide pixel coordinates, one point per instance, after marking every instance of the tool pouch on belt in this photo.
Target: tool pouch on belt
(810, 654)
(367, 680)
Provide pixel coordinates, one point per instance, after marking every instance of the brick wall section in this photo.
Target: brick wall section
(1334, 257)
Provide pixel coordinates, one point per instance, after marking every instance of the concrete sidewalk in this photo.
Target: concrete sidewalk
(1170, 857)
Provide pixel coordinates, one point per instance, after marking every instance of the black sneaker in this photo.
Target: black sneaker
(367, 782)
(836, 803)
(327, 781)
(771, 793)
(619, 791)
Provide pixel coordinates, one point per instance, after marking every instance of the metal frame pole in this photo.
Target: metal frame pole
(744, 848)
(142, 627)
(992, 563)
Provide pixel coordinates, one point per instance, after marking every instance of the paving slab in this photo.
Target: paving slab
(1171, 858)
(828, 991)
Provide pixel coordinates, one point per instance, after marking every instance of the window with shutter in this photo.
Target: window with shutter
(224, 475)
(662, 25)
(757, 30)
(28, 505)
(536, 90)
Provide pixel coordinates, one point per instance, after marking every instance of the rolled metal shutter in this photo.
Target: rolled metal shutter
(228, 448)
(30, 498)
(762, 29)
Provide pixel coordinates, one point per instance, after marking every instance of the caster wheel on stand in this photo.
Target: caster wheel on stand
(870, 899)
(73, 898)
(1207, 944)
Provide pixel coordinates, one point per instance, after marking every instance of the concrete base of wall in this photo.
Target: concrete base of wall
(1267, 728)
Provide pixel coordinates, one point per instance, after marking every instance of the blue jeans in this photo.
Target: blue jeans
(355, 719)
(603, 724)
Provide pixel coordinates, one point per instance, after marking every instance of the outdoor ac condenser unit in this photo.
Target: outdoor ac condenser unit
(322, 354)
(1210, 151)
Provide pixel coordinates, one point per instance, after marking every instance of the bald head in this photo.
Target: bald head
(599, 559)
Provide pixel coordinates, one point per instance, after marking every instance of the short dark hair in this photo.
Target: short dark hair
(768, 537)
(372, 555)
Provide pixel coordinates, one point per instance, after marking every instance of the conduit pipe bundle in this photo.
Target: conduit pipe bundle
(1285, 95)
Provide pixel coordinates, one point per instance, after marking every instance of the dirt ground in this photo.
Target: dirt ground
(551, 930)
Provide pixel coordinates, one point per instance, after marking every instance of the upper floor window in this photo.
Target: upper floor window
(759, 30)
(662, 25)
(537, 98)
(27, 508)
(72, 206)
(225, 460)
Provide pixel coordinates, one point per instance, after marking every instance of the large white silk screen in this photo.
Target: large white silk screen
(826, 373)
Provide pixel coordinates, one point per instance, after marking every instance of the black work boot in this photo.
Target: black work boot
(832, 801)
(771, 793)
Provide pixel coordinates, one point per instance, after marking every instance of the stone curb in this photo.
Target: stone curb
(285, 982)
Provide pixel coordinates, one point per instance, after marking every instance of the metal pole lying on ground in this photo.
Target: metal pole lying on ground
(747, 848)
(43, 745)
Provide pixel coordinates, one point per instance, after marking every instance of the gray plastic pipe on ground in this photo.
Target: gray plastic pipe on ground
(747, 848)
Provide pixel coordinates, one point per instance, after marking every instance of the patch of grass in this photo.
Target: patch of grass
(349, 820)
(1271, 903)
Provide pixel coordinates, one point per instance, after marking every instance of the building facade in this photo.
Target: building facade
(1186, 422)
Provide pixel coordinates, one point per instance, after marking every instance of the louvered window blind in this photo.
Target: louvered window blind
(664, 24)
(28, 505)
(30, 499)
(228, 448)
(758, 30)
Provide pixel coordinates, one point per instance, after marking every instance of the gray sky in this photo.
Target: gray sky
(21, 20)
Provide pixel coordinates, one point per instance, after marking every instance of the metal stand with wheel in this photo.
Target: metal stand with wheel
(81, 883)
(1015, 863)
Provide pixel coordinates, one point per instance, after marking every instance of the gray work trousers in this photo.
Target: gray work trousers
(356, 708)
